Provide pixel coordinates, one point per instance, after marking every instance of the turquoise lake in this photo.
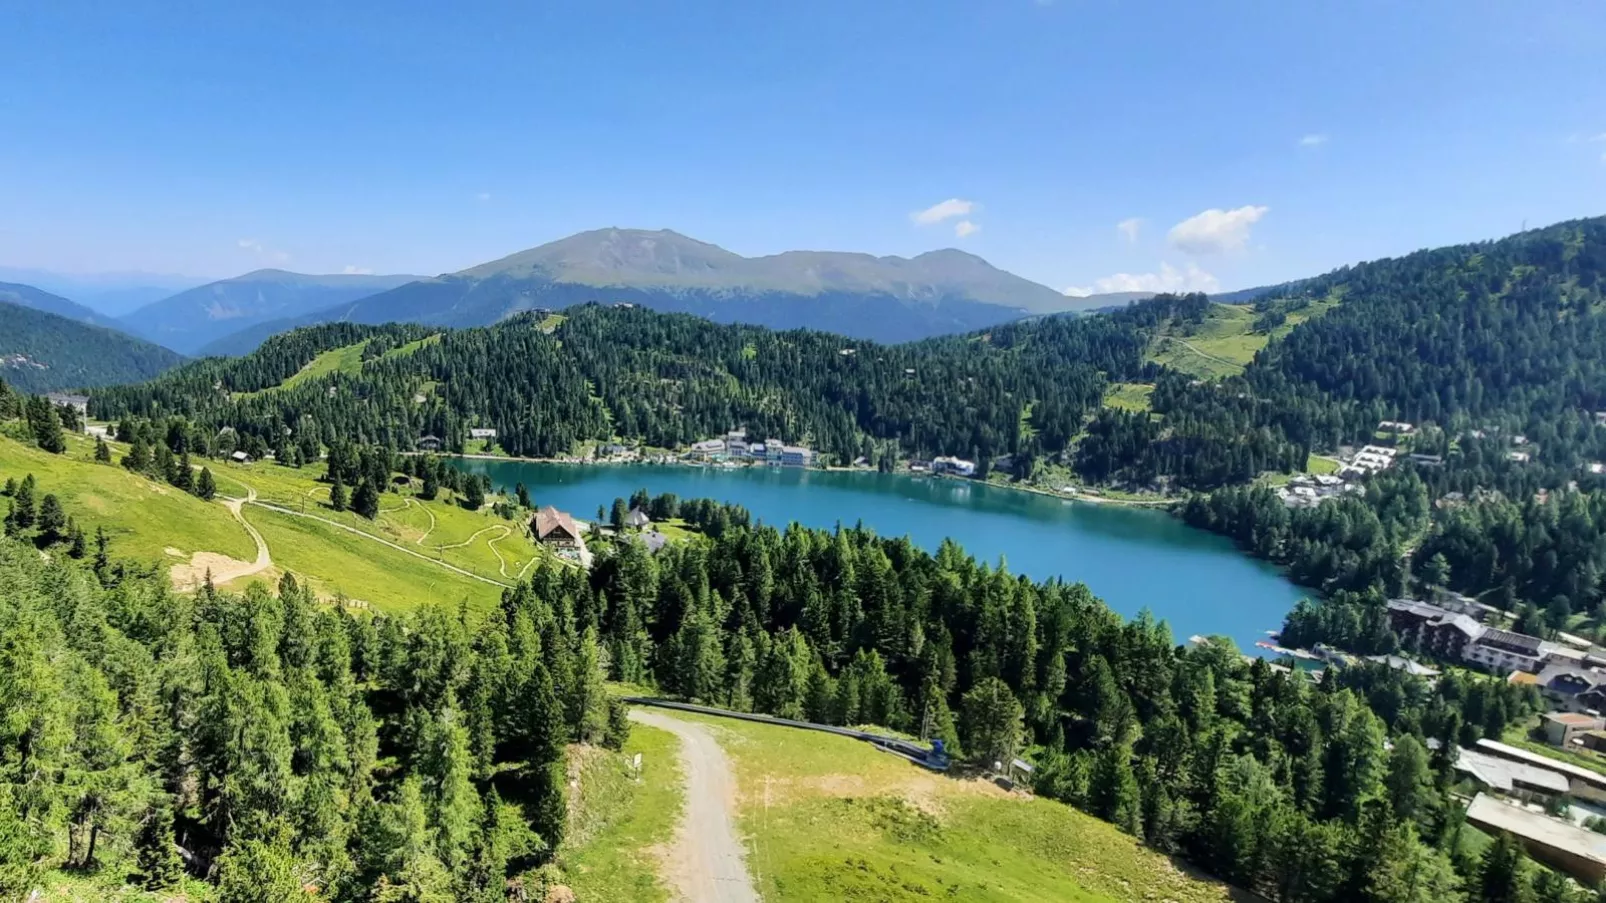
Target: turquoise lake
(1131, 558)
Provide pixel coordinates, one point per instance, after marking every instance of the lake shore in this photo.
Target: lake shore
(1089, 498)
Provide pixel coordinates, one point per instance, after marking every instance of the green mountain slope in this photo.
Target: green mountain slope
(190, 319)
(42, 352)
(38, 299)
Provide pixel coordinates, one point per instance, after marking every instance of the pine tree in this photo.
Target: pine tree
(157, 855)
(45, 424)
(431, 487)
(523, 494)
(992, 720)
(365, 501)
(22, 505)
(206, 487)
(103, 452)
(75, 534)
(337, 494)
(52, 520)
(138, 458)
(474, 494)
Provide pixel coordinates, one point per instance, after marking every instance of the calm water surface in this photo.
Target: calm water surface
(1131, 558)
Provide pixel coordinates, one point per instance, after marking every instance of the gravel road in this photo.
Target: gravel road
(705, 863)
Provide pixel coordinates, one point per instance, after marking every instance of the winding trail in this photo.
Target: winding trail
(706, 861)
(1204, 354)
(223, 573)
(400, 548)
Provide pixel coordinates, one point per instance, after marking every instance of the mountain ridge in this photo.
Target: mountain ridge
(190, 319)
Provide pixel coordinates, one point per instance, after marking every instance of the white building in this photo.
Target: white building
(481, 433)
(956, 466)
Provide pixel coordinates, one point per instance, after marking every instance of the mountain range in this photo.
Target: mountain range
(190, 319)
(889, 299)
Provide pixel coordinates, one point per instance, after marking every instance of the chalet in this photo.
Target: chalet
(556, 528)
(637, 519)
(429, 443)
(708, 448)
(482, 433)
(1396, 426)
(240, 457)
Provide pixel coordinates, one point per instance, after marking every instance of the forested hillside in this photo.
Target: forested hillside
(674, 379)
(1497, 353)
(41, 352)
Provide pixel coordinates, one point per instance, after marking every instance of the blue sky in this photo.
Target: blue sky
(1240, 142)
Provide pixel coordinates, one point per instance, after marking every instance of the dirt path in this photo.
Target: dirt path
(223, 568)
(1204, 354)
(400, 548)
(706, 861)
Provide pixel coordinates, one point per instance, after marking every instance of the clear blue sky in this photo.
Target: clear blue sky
(214, 138)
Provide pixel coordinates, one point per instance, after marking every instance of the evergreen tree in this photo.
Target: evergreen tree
(45, 424)
(103, 452)
(159, 865)
(365, 501)
(474, 494)
(992, 722)
(337, 494)
(431, 487)
(523, 494)
(23, 513)
(138, 458)
(206, 486)
(52, 520)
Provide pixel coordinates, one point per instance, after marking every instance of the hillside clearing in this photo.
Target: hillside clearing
(827, 817)
(616, 822)
(1227, 340)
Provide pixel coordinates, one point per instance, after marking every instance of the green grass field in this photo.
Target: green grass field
(1226, 342)
(832, 819)
(1129, 396)
(476, 541)
(616, 821)
(336, 562)
(126, 504)
(345, 359)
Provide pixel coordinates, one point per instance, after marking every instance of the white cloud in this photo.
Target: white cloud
(1216, 230)
(948, 209)
(482, 196)
(1169, 279)
(262, 251)
(1129, 228)
(1597, 139)
(1314, 139)
(965, 227)
(354, 270)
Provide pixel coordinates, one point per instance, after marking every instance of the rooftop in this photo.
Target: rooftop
(1522, 755)
(1503, 774)
(1571, 719)
(1530, 825)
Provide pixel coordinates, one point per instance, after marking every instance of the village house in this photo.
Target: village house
(1396, 426)
(556, 529)
(956, 466)
(637, 519)
(481, 433)
(429, 443)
